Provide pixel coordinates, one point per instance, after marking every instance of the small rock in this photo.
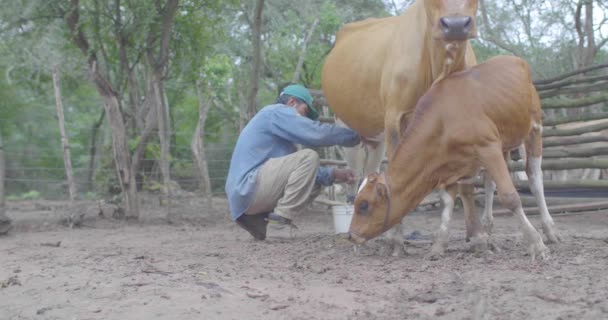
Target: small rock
(42, 310)
(279, 307)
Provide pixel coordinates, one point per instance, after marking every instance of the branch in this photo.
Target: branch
(296, 74)
(491, 37)
(72, 18)
(168, 16)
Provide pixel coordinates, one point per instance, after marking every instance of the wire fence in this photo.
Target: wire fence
(37, 171)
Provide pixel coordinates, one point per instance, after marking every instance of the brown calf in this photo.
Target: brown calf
(464, 122)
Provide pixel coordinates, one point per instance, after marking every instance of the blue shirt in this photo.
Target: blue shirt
(273, 132)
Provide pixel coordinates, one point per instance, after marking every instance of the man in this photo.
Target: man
(269, 179)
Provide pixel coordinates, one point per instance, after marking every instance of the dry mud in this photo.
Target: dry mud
(205, 267)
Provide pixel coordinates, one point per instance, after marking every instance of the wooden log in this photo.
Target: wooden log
(565, 164)
(574, 152)
(566, 141)
(570, 74)
(568, 184)
(574, 103)
(576, 118)
(594, 206)
(570, 82)
(583, 89)
(549, 132)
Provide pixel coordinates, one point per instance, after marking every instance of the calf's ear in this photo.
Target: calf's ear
(381, 191)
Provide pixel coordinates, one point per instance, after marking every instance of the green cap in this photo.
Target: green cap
(298, 91)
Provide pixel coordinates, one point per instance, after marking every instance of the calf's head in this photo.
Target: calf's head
(371, 209)
(452, 20)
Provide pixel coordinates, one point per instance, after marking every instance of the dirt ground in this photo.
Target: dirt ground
(205, 267)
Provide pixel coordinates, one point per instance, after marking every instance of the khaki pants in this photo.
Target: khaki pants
(286, 185)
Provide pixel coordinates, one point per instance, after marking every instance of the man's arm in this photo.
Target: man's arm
(326, 176)
(288, 124)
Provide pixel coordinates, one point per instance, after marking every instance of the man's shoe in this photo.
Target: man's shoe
(254, 224)
(277, 219)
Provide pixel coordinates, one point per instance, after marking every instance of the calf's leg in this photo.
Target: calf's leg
(441, 237)
(496, 167)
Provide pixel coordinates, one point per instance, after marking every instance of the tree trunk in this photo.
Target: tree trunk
(198, 144)
(3, 216)
(120, 147)
(163, 133)
(254, 80)
(93, 150)
(65, 143)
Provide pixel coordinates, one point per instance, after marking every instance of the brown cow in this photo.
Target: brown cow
(379, 68)
(466, 121)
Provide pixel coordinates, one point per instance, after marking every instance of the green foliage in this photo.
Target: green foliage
(210, 42)
(30, 195)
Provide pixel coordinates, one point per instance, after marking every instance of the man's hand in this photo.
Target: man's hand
(344, 175)
(372, 142)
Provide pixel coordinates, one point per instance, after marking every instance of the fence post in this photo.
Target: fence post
(64, 138)
(5, 222)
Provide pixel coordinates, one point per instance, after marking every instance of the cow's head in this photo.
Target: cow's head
(371, 208)
(452, 20)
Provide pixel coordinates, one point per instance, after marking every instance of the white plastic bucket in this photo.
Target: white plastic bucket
(342, 216)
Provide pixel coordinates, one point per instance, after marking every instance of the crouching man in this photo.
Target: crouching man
(269, 179)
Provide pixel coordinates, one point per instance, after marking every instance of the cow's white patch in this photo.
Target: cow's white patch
(362, 185)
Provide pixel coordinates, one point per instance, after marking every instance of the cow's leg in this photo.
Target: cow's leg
(475, 232)
(492, 159)
(355, 160)
(440, 242)
(487, 219)
(535, 181)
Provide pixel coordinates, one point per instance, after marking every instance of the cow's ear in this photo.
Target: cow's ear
(372, 177)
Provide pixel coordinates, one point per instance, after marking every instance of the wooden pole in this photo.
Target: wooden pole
(3, 218)
(566, 141)
(64, 138)
(198, 144)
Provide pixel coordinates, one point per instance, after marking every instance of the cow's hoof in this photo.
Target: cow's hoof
(480, 243)
(552, 235)
(487, 225)
(398, 251)
(437, 250)
(435, 254)
(539, 250)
